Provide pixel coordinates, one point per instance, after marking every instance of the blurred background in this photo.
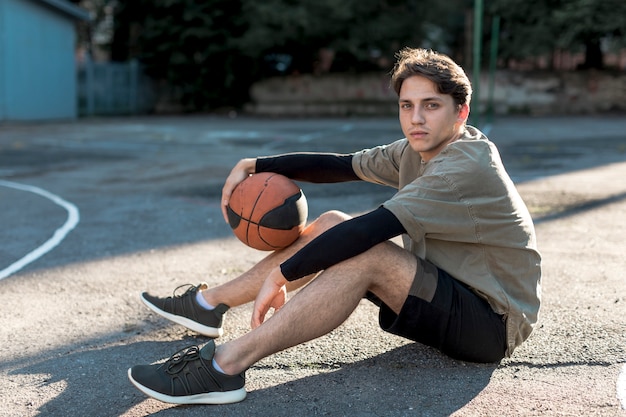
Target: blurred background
(64, 59)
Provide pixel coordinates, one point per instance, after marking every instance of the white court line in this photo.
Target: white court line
(621, 387)
(73, 218)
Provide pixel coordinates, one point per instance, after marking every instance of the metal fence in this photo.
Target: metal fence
(114, 88)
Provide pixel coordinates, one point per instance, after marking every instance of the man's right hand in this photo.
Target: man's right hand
(240, 172)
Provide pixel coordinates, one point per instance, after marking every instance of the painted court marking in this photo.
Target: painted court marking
(73, 218)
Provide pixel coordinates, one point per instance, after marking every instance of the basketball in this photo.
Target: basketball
(267, 211)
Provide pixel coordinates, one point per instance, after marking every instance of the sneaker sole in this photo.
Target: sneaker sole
(213, 332)
(226, 397)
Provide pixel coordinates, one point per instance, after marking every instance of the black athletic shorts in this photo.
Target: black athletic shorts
(456, 321)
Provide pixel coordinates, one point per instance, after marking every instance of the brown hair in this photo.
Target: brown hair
(438, 68)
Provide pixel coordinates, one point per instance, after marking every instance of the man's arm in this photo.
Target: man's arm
(310, 167)
(344, 241)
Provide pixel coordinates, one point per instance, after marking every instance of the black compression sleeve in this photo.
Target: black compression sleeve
(342, 242)
(310, 167)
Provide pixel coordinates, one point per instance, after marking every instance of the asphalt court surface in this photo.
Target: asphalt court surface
(146, 194)
(189, 157)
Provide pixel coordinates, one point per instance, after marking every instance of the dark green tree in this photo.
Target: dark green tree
(587, 23)
(189, 44)
(540, 27)
(357, 30)
(211, 51)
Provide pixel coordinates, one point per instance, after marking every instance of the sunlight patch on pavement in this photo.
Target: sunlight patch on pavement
(621, 387)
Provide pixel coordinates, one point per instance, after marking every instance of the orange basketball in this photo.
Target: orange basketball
(267, 211)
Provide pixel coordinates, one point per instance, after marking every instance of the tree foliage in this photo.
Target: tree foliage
(541, 26)
(357, 30)
(212, 50)
(188, 43)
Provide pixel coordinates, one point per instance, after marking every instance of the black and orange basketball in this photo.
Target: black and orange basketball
(267, 211)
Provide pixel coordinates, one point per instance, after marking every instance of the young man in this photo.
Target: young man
(466, 282)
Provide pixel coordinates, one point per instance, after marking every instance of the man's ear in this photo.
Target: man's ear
(463, 113)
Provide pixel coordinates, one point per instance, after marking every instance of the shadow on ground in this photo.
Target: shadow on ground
(349, 389)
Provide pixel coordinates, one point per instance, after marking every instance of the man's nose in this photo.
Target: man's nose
(417, 116)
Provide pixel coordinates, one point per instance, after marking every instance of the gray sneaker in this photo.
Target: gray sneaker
(188, 377)
(185, 310)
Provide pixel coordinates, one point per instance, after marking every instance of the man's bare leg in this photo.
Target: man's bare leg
(386, 270)
(244, 288)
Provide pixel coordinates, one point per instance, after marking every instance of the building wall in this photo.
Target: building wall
(515, 92)
(37, 66)
(3, 24)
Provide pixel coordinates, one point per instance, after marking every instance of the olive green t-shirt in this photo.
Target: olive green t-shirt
(463, 213)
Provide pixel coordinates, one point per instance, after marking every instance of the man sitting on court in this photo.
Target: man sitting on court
(466, 282)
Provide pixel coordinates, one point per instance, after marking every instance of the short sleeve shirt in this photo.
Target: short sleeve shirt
(463, 213)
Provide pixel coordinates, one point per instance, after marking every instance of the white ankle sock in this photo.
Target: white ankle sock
(217, 367)
(203, 303)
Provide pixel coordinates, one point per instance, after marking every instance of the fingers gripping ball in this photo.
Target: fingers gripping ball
(267, 211)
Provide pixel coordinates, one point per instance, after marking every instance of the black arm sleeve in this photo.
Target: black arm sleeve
(310, 167)
(342, 242)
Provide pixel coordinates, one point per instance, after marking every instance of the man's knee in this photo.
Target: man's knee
(326, 221)
(334, 217)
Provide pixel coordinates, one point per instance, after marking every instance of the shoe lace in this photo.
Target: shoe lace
(177, 361)
(190, 289)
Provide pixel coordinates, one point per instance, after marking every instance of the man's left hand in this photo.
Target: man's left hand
(273, 293)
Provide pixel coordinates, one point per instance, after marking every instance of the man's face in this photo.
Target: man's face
(429, 120)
